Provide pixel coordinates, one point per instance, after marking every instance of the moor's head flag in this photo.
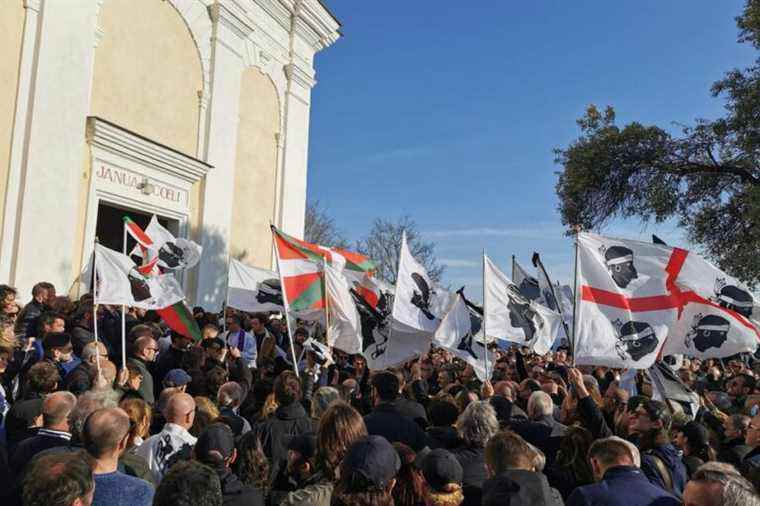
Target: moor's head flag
(157, 243)
(419, 303)
(638, 300)
(252, 289)
(509, 315)
(460, 333)
(344, 324)
(120, 283)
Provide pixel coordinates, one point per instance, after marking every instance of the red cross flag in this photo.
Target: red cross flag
(639, 300)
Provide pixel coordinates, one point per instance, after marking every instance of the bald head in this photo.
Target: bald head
(108, 370)
(104, 432)
(180, 410)
(56, 409)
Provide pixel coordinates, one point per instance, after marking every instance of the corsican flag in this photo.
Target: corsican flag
(510, 316)
(527, 283)
(120, 283)
(638, 300)
(459, 332)
(418, 303)
(344, 325)
(157, 244)
(252, 289)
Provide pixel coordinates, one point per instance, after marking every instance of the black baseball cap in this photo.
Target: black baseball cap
(56, 340)
(374, 458)
(440, 467)
(217, 440)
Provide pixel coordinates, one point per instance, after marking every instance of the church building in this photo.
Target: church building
(196, 111)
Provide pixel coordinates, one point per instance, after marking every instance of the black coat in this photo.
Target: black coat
(29, 448)
(80, 379)
(235, 493)
(473, 462)
(388, 421)
(274, 433)
(412, 410)
(545, 434)
(443, 437)
(733, 452)
(517, 487)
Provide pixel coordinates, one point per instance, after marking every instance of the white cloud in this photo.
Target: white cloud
(537, 231)
(458, 263)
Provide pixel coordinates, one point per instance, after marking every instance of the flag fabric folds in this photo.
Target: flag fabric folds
(418, 303)
(527, 283)
(344, 325)
(252, 289)
(460, 333)
(639, 300)
(159, 246)
(120, 283)
(179, 318)
(509, 315)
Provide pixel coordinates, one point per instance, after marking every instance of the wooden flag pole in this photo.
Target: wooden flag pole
(124, 311)
(575, 297)
(95, 303)
(485, 318)
(287, 306)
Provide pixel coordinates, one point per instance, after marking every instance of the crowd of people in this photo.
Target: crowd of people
(249, 416)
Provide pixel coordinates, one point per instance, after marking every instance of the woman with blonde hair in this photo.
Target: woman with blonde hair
(140, 415)
(206, 413)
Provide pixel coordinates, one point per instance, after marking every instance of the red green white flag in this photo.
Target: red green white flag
(301, 271)
(137, 233)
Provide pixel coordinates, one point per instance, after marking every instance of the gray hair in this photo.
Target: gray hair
(477, 423)
(737, 491)
(635, 454)
(91, 350)
(540, 404)
(87, 403)
(322, 398)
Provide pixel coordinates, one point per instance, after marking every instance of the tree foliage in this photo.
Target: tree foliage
(320, 227)
(383, 244)
(706, 175)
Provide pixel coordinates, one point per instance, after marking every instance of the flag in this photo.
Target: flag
(300, 264)
(179, 318)
(344, 325)
(253, 289)
(511, 316)
(638, 300)
(667, 386)
(321, 351)
(120, 283)
(458, 333)
(528, 285)
(158, 245)
(418, 303)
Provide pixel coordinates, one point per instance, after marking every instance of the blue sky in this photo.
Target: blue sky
(449, 111)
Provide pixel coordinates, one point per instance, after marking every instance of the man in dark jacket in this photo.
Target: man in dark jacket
(26, 321)
(54, 432)
(542, 431)
(216, 448)
(620, 481)
(170, 359)
(82, 377)
(386, 420)
(442, 433)
(290, 419)
(143, 355)
(734, 449)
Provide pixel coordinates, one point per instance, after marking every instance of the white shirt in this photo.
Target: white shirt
(249, 351)
(158, 449)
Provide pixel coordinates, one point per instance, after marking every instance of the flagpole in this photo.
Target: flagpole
(513, 268)
(227, 296)
(285, 303)
(538, 263)
(575, 297)
(327, 303)
(124, 310)
(95, 304)
(485, 318)
(395, 299)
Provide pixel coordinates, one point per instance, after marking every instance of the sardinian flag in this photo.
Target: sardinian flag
(419, 303)
(638, 300)
(344, 324)
(509, 315)
(120, 283)
(157, 245)
(460, 333)
(252, 289)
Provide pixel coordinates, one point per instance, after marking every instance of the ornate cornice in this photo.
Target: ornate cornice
(232, 16)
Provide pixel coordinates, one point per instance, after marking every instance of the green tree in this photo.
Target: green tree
(707, 176)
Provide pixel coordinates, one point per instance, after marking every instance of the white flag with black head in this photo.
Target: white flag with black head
(418, 303)
(120, 283)
(252, 289)
(321, 351)
(511, 316)
(459, 333)
(526, 282)
(344, 331)
(174, 253)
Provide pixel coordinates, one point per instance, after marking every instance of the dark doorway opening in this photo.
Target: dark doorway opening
(109, 228)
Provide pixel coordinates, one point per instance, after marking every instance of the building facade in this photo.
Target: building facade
(194, 110)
